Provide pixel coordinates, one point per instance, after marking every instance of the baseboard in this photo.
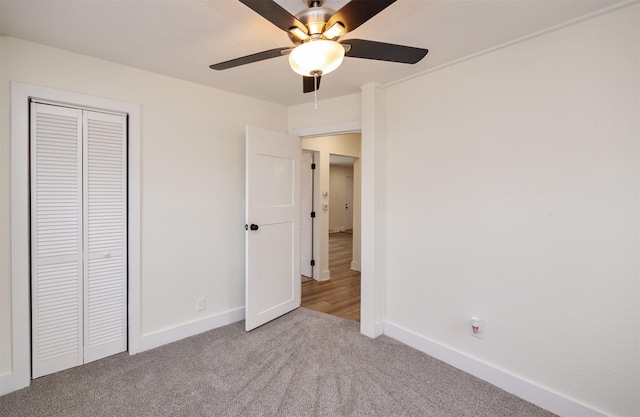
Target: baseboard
(542, 397)
(10, 382)
(173, 334)
(378, 329)
(325, 275)
(355, 265)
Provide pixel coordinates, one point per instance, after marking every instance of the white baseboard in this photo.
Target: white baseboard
(173, 334)
(10, 382)
(325, 275)
(378, 329)
(542, 397)
(355, 265)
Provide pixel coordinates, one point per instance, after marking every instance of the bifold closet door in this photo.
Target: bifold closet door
(78, 236)
(105, 234)
(56, 238)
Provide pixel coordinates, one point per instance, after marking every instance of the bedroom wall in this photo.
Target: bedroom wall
(339, 115)
(192, 181)
(512, 193)
(5, 227)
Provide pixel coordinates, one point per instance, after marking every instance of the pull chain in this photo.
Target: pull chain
(316, 83)
(315, 91)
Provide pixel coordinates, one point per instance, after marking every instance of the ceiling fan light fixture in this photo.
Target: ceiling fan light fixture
(336, 30)
(316, 57)
(298, 33)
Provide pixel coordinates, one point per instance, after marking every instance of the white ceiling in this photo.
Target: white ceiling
(181, 38)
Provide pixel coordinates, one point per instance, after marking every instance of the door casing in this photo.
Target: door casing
(20, 376)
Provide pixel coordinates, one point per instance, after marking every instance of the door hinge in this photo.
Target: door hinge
(313, 166)
(313, 214)
(313, 262)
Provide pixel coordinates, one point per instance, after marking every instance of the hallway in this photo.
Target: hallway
(339, 296)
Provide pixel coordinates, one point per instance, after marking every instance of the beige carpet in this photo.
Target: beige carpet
(303, 364)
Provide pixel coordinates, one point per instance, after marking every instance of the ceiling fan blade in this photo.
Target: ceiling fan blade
(260, 56)
(309, 84)
(356, 12)
(381, 51)
(275, 14)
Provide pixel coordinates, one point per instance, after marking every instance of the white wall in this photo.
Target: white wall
(192, 182)
(5, 224)
(335, 116)
(512, 193)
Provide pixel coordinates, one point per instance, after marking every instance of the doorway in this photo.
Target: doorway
(335, 288)
(341, 197)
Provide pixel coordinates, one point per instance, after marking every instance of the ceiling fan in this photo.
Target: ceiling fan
(315, 32)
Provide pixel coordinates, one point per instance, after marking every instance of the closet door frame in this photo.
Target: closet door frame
(21, 94)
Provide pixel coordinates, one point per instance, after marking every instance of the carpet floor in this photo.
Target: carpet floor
(303, 364)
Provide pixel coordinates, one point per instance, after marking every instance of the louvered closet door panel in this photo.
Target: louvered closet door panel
(56, 238)
(105, 241)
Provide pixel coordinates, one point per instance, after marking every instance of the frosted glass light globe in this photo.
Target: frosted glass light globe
(316, 57)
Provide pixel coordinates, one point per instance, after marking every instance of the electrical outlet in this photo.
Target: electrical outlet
(477, 328)
(200, 304)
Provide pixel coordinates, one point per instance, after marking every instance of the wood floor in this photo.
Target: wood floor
(339, 296)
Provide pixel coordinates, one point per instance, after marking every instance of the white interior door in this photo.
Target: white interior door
(273, 225)
(78, 236)
(306, 221)
(56, 238)
(105, 235)
(348, 203)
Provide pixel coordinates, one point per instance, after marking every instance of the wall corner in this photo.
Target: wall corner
(372, 195)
